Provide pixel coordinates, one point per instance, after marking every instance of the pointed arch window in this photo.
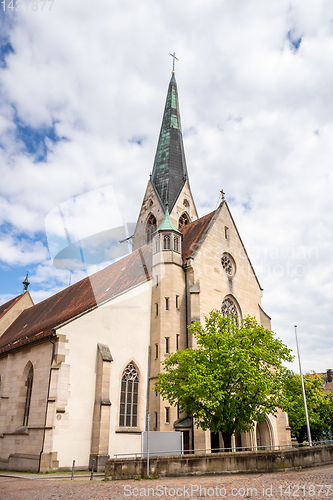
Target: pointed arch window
(166, 242)
(176, 244)
(229, 308)
(151, 227)
(156, 243)
(28, 384)
(184, 219)
(128, 415)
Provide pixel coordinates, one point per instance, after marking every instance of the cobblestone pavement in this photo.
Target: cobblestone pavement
(316, 483)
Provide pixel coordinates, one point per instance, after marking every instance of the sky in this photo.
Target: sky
(82, 92)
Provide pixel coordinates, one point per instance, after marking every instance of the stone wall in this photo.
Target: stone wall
(221, 463)
(21, 446)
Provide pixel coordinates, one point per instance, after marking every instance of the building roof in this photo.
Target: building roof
(167, 224)
(169, 171)
(38, 321)
(326, 376)
(193, 232)
(4, 308)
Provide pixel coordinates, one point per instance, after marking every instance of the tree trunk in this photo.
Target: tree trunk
(227, 440)
(301, 436)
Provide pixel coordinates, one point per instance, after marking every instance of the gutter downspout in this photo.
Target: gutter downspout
(148, 380)
(53, 334)
(184, 266)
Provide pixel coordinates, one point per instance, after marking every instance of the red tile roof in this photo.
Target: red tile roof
(4, 308)
(192, 234)
(328, 386)
(39, 320)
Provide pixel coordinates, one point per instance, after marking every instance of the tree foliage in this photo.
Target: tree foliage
(319, 405)
(231, 379)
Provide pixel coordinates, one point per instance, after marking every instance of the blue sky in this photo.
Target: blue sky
(82, 91)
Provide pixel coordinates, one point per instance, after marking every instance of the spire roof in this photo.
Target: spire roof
(169, 171)
(167, 224)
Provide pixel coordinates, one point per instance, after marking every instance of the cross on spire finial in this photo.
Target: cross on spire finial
(173, 62)
(25, 284)
(222, 194)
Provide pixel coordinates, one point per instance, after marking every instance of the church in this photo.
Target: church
(77, 370)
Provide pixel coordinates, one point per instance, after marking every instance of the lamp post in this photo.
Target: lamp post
(148, 422)
(303, 390)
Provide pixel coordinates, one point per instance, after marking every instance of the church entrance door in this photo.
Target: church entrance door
(186, 442)
(215, 442)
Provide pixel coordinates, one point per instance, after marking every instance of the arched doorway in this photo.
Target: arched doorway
(215, 442)
(263, 434)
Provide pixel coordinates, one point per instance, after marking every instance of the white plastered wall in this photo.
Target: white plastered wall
(124, 325)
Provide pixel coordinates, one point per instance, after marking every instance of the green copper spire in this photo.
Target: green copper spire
(167, 224)
(169, 171)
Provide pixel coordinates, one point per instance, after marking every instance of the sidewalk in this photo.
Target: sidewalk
(315, 483)
(82, 474)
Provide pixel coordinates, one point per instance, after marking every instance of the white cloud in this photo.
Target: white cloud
(14, 251)
(256, 116)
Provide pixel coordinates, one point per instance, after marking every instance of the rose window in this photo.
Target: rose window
(228, 265)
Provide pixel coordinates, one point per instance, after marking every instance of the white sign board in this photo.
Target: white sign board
(162, 443)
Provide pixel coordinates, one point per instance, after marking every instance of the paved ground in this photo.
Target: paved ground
(316, 483)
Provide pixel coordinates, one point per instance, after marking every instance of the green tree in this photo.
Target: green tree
(319, 405)
(231, 379)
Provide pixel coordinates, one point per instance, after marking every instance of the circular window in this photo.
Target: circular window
(228, 264)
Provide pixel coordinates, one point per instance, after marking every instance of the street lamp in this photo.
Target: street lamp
(303, 390)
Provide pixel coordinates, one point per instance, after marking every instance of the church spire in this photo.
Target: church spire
(168, 192)
(169, 171)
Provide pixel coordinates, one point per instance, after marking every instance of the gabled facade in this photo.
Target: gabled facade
(214, 273)
(77, 370)
(12, 309)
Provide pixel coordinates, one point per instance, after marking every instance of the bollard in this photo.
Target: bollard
(73, 466)
(92, 470)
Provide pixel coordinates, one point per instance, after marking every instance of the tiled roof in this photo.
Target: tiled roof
(193, 232)
(328, 386)
(38, 321)
(4, 308)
